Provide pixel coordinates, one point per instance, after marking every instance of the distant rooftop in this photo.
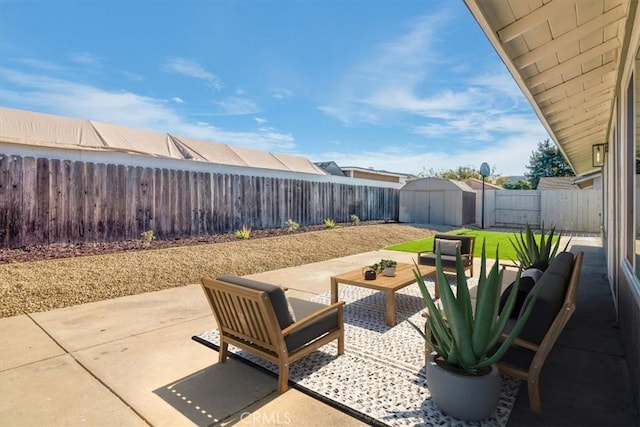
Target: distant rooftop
(333, 168)
(558, 183)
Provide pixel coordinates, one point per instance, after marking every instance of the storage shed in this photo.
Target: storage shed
(437, 201)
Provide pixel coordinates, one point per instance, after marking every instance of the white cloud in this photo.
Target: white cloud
(235, 106)
(348, 116)
(132, 76)
(260, 120)
(177, 100)
(412, 160)
(387, 76)
(41, 93)
(465, 116)
(439, 105)
(39, 64)
(85, 58)
(193, 69)
(499, 81)
(281, 93)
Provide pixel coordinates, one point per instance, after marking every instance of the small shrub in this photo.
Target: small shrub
(355, 220)
(148, 236)
(329, 223)
(243, 233)
(291, 225)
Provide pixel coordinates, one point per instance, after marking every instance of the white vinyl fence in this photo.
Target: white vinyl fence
(567, 210)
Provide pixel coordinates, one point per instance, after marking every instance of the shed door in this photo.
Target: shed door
(421, 208)
(436, 207)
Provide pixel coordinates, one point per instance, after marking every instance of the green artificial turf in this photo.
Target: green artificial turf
(493, 239)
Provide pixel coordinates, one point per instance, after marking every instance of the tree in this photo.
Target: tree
(501, 180)
(520, 185)
(460, 173)
(546, 161)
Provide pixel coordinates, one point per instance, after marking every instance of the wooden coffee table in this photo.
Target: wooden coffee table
(389, 285)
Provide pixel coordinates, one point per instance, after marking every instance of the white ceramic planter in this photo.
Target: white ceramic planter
(469, 398)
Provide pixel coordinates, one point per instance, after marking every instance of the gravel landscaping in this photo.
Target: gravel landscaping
(31, 286)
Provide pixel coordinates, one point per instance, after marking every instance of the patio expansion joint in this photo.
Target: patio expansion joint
(66, 352)
(88, 371)
(137, 334)
(112, 391)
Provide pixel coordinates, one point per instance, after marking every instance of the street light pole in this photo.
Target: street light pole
(483, 202)
(484, 171)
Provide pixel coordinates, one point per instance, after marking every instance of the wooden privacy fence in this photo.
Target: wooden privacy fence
(44, 201)
(567, 210)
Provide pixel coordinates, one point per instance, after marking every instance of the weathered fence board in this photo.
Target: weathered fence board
(572, 210)
(567, 210)
(517, 207)
(44, 201)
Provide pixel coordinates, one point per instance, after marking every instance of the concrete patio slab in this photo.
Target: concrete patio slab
(24, 342)
(316, 278)
(59, 392)
(217, 392)
(292, 408)
(136, 352)
(141, 369)
(87, 325)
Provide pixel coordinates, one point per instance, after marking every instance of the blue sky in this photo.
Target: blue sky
(400, 85)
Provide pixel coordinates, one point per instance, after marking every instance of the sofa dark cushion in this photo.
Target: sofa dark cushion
(315, 329)
(275, 293)
(526, 284)
(516, 356)
(562, 264)
(448, 261)
(552, 288)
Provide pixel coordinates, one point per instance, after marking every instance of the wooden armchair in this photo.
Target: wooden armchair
(525, 358)
(255, 317)
(448, 243)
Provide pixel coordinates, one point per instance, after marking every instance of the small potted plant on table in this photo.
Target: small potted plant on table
(386, 266)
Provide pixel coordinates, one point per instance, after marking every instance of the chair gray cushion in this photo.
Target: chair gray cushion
(447, 247)
(275, 293)
(466, 241)
(315, 329)
(534, 273)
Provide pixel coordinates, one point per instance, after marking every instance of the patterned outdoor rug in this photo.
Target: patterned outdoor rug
(380, 378)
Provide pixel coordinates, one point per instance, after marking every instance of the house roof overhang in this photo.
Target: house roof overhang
(567, 57)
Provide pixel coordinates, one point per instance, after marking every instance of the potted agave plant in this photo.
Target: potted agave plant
(531, 254)
(465, 344)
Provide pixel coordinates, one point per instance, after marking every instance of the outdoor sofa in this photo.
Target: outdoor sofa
(554, 306)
